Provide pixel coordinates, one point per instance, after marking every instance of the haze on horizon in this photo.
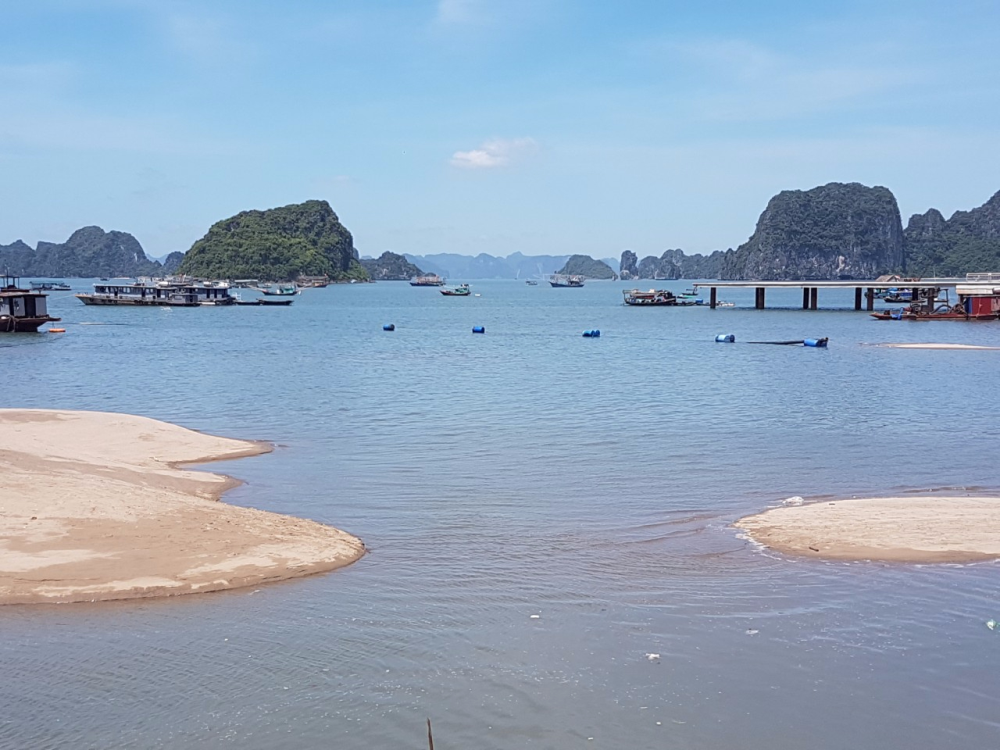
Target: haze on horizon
(469, 126)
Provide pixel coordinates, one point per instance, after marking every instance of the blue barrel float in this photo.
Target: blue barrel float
(389, 327)
(726, 338)
(479, 329)
(594, 334)
(816, 342)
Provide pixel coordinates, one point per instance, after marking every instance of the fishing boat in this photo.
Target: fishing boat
(561, 280)
(51, 286)
(22, 310)
(428, 280)
(462, 290)
(279, 291)
(652, 298)
(975, 302)
(656, 298)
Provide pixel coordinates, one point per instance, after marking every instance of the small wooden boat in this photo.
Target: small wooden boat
(655, 298)
(21, 310)
(280, 291)
(462, 290)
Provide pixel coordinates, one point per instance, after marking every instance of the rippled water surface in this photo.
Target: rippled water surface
(530, 471)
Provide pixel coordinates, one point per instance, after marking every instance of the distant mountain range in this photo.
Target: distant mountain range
(483, 266)
(839, 230)
(89, 252)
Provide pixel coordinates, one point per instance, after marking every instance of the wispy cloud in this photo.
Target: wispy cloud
(461, 11)
(735, 79)
(494, 153)
(206, 38)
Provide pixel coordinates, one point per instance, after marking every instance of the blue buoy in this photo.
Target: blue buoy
(726, 338)
(816, 342)
(389, 327)
(595, 334)
(479, 329)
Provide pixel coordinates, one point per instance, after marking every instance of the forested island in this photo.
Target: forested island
(584, 265)
(390, 267)
(279, 244)
(839, 230)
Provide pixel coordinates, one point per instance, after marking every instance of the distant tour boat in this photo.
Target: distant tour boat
(560, 280)
(161, 294)
(531, 282)
(462, 290)
(22, 310)
(429, 280)
(51, 286)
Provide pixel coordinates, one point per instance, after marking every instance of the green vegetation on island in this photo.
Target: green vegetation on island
(279, 244)
(584, 265)
(390, 267)
(967, 242)
(89, 252)
(833, 231)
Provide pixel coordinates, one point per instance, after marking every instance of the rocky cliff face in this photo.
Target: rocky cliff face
(172, 262)
(652, 267)
(89, 252)
(834, 231)
(673, 264)
(390, 267)
(628, 266)
(968, 242)
(279, 244)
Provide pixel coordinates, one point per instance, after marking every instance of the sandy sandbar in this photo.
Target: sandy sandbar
(917, 529)
(94, 506)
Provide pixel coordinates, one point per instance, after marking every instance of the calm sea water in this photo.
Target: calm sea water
(530, 471)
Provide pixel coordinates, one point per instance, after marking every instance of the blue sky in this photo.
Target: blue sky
(545, 126)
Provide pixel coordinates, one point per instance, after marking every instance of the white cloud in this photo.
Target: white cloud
(498, 152)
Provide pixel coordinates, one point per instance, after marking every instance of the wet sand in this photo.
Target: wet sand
(94, 506)
(918, 529)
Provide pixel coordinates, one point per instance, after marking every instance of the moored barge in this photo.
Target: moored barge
(160, 294)
(976, 301)
(22, 310)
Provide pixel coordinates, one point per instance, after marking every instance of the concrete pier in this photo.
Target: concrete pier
(863, 289)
